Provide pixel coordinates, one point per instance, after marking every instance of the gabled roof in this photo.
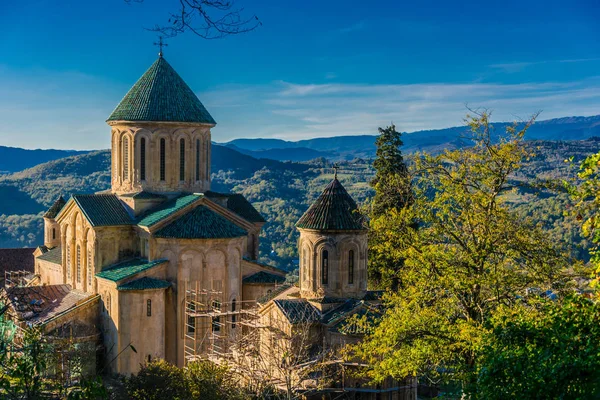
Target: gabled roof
(38, 304)
(55, 208)
(161, 95)
(145, 283)
(347, 324)
(125, 269)
(264, 277)
(298, 310)
(334, 210)
(53, 255)
(102, 209)
(239, 205)
(166, 209)
(200, 223)
(143, 195)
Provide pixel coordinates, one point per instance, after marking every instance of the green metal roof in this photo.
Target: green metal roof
(143, 195)
(161, 95)
(102, 209)
(53, 255)
(166, 209)
(239, 205)
(55, 208)
(334, 210)
(145, 283)
(298, 310)
(264, 277)
(127, 268)
(200, 223)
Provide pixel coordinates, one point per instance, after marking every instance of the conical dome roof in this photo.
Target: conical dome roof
(55, 208)
(334, 210)
(161, 95)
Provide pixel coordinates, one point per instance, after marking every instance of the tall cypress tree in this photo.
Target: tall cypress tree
(392, 182)
(393, 192)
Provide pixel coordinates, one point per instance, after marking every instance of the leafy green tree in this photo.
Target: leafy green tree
(542, 350)
(23, 367)
(467, 255)
(156, 379)
(393, 191)
(208, 380)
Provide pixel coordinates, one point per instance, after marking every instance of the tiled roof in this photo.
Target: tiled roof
(348, 325)
(201, 223)
(347, 306)
(102, 209)
(128, 268)
(161, 95)
(298, 310)
(53, 255)
(274, 293)
(166, 209)
(327, 300)
(16, 260)
(248, 259)
(55, 208)
(144, 195)
(333, 210)
(37, 304)
(145, 283)
(264, 277)
(239, 205)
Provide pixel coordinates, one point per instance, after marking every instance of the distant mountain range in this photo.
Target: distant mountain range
(363, 146)
(13, 159)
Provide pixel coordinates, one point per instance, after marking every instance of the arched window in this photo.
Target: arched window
(143, 159)
(182, 159)
(233, 316)
(148, 308)
(78, 261)
(191, 320)
(125, 158)
(206, 157)
(53, 233)
(351, 267)
(325, 267)
(162, 158)
(216, 321)
(90, 266)
(304, 266)
(197, 159)
(68, 257)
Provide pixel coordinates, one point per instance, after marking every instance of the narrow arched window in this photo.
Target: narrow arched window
(233, 316)
(207, 159)
(148, 308)
(191, 320)
(68, 257)
(216, 321)
(53, 233)
(182, 159)
(351, 267)
(162, 159)
(143, 159)
(90, 267)
(125, 158)
(197, 159)
(325, 267)
(78, 261)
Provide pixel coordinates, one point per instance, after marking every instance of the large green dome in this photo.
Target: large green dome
(161, 95)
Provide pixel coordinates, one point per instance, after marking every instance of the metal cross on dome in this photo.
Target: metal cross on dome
(336, 166)
(160, 45)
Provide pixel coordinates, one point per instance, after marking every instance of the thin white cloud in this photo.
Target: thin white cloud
(514, 67)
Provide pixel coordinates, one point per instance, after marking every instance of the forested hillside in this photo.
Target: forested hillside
(280, 191)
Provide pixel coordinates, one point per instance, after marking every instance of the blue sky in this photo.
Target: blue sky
(314, 68)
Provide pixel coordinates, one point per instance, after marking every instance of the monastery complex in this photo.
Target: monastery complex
(161, 264)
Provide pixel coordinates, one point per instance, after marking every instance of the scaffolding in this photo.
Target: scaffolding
(17, 278)
(215, 329)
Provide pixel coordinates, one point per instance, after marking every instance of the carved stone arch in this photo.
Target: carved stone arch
(190, 261)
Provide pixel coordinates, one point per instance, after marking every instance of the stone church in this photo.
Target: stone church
(121, 265)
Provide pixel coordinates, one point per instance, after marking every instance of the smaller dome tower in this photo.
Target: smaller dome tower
(51, 227)
(333, 246)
